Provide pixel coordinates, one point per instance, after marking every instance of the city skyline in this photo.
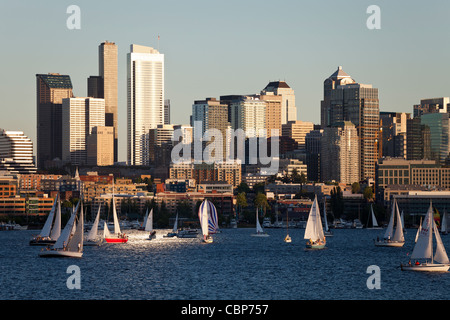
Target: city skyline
(229, 57)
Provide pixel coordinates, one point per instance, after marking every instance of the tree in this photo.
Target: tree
(337, 202)
(241, 201)
(356, 187)
(243, 187)
(368, 193)
(261, 201)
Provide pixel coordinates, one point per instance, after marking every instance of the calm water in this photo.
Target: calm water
(235, 267)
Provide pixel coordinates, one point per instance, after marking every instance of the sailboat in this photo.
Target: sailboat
(92, 238)
(314, 230)
(149, 226)
(213, 221)
(174, 229)
(423, 249)
(373, 220)
(51, 230)
(204, 221)
(142, 227)
(327, 231)
(288, 238)
(398, 240)
(117, 236)
(259, 230)
(418, 230)
(70, 242)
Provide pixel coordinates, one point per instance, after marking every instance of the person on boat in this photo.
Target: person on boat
(417, 263)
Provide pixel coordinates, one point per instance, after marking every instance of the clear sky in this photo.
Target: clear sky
(215, 48)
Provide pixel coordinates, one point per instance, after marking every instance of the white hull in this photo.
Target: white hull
(426, 267)
(259, 235)
(60, 253)
(389, 243)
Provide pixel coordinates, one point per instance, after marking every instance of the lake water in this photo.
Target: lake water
(235, 267)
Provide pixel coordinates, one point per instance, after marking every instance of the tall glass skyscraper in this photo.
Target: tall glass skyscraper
(145, 100)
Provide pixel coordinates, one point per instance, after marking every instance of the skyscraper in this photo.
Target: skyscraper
(359, 104)
(145, 100)
(332, 82)
(288, 107)
(79, 117)
(50, 90)
(105, 86)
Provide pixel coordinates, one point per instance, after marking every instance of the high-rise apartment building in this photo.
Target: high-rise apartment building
(50, 90)
(105, 86)
(249, 114)
(145, 100)
(359, 104)
(16, 152)
(79, 117)
(339, 153)
(336, 79)
(288, 107)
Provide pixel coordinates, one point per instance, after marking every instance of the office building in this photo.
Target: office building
(79, 117)
(145, 100)
(297, 130)
(313, 141)
(438, 124)
(249, 114)
(105, 86)
(288, 107)
(433, 105)
(332, 82)
(393, 135)
(16, 153)
(50, 90)
(100, 146)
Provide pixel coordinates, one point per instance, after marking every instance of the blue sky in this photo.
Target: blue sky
(215, 48)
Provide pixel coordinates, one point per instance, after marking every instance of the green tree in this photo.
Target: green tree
(356, 187)
(368, 193)
(241, 201)
(261, 202)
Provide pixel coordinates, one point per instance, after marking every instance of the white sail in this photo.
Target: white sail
(75, 243)
(390, 228)
(204, 217)
(424, 246)
(56, 230)
(444, 223)
(259, 229)
(418, 230)
(106, 233)
(440, 254)
(325, 215)
(175, 225)
(398, 236)
(116, 220)
(314, 229)
(66, 232)
(92, 235)
(149, 222)
(145, 219)
(45, 232)
(374, 220)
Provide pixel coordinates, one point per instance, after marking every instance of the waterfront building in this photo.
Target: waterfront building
(25, 206)
(339, 154)
(16, 153)
(79, 117)
(50, 90)
(145, 102)
(288, 106)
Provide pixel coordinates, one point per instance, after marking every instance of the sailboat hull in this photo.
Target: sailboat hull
(315, 246)
(389, 243)
(60, 254)
(116, 240)
(34, 242)
(426, 267)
